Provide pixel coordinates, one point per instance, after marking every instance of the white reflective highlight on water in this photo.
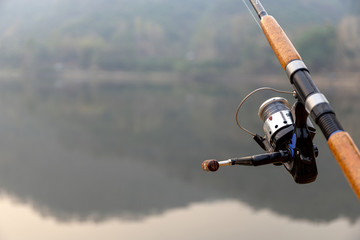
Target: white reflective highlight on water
(226, 219)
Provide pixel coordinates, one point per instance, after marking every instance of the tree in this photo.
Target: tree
(318, 46)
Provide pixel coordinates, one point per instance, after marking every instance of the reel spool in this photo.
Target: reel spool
(278, 122)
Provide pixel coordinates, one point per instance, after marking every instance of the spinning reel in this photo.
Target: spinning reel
(287, 140)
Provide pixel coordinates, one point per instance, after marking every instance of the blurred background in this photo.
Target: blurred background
(108, 108)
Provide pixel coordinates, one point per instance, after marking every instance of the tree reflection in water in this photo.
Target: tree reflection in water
(131, 150)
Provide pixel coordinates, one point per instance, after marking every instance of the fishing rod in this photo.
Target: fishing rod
(289, 133)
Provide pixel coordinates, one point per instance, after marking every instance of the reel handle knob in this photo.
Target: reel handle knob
(210, 165)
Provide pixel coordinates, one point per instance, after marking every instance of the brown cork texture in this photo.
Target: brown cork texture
(348, 157)
(210, 165)
(279, 42)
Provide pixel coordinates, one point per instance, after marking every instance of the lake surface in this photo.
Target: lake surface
(122, 159)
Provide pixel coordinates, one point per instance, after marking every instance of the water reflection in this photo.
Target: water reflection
(234, 220)
(132, 150)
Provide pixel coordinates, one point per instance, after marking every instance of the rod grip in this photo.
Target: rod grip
(279, 41)
(348, 156)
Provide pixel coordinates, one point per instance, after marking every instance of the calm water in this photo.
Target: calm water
(121, 159)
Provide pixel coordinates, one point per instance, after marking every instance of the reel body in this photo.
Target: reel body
(288, 140)
(291, 130)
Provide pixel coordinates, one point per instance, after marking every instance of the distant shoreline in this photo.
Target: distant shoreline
(349, 81)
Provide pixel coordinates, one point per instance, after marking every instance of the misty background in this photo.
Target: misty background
(109, 107)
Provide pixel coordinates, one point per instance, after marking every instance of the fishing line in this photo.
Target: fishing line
(256, 20)
(249, 95)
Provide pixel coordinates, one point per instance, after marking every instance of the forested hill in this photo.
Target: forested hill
(150, 35)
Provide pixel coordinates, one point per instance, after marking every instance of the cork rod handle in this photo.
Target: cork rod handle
(279, 42)
(348, 156)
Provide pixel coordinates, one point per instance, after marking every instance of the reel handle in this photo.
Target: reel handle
(212, 165)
